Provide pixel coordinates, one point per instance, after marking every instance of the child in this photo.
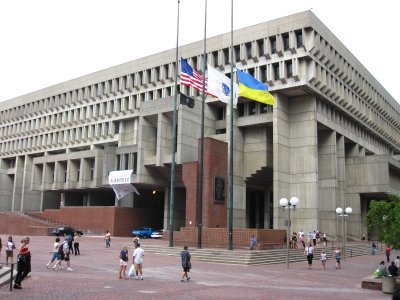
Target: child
(123, 262)
(323, 258)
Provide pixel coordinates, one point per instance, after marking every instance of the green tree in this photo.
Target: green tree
(383, 220)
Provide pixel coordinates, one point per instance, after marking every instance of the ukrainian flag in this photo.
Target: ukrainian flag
(251, 88)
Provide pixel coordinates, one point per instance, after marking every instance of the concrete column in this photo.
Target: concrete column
(18, 183)
(164, 139)
(267, 211)
(30, 200)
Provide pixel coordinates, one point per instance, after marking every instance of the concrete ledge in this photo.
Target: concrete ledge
(373, 283)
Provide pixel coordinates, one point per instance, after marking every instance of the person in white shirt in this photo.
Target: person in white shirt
(138, 261)
(309, 251)
(54, 252)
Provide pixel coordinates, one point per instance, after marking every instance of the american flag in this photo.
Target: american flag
(191, 77)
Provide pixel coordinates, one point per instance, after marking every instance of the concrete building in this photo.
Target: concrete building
(332, 139)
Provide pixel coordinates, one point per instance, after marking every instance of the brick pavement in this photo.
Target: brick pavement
(95, 276)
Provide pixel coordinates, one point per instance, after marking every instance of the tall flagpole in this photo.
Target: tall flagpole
(203, 99)
(230, 219)
(172, 187)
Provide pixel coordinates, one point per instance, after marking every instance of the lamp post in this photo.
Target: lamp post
(344, 214)
(284, 203)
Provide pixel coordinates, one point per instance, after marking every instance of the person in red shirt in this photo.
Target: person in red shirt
(23, 262)
(387, 251)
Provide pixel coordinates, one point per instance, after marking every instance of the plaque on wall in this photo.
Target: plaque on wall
(219, 189)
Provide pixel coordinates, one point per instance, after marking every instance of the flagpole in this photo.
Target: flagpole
(172, 187)
(203, 99)
(230, 217)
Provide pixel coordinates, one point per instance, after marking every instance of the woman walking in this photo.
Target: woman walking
(23, 262)
(76, 244)
(123, 262)
(10, 246)
(309, 251)
(323, 259)
(337, 254)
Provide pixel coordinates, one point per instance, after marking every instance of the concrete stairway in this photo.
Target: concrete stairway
(5, 274)
(262, 257)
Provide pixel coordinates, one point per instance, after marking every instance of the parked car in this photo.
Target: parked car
(144, 232)
(61, 231)
(157, 234)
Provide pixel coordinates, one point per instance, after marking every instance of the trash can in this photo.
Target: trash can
(389, 285)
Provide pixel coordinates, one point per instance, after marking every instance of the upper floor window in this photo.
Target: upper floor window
(289, 69)
(275, 68)
(273, 44)
(285, 41)
(299, 39)
(260, 44)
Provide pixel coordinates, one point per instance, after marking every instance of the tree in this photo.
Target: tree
(383, 220)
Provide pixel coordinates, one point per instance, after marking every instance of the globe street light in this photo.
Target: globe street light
(284, 203)
(344, 214)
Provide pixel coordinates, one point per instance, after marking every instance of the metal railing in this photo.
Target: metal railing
(11, 273)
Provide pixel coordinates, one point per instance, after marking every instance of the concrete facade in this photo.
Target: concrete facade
(332, 139)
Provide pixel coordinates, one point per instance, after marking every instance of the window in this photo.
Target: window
(251, 71)
(118, 162)
(134, 167)
(273, 44)
(215, 58)
(252, 108)
(240, 108)
(126, 164)
(260, 44)
(236, 50)
(221, 113)
(248, 50)
(289, 69)
(263, 73)
(275, 68)
(116, 125)
(265, 108)
(220, 131)
(226, 55)
(299, 39)
(285, 42)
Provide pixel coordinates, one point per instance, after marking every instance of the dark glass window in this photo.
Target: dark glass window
(134, 163)
(237, 52)
(289, 69)
(275, 67)
(265, 108)
(263, 73)
(220, 131)
(248, 50)
(273, 44)
(260, 44)
(252, 108)
(299, 39)
(240, 108)
(285, 41)
(226, 55)
(215, 58)
(221, 113)
(116, 127)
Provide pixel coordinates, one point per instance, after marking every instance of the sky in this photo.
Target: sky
(46, 42)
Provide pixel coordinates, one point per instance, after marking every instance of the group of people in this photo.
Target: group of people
(336, 255)
(313, 237)
(392, 270)
(23, 258)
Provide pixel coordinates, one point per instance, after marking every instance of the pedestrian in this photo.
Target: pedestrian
(337, 255)
(309, 237)
(76, 244)
(186, 263)
(253, 242)
(135, 240)
(302, 240)
(323, 259)
(325, 239)
(381, 270)
(65, 255)
(309, 251)
(393, 269)
(107, 239)
(10, 246)
(294, 240)
(138, 261)
(318, 236)
(373, 248)
(54, 252)
(314, 238)
(387, 252)
(363, 237)
(69, 239)
(23, 262)
(397, 262)
(123, 262)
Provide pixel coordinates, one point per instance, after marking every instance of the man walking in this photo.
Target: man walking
(186, 264)
(138, 261)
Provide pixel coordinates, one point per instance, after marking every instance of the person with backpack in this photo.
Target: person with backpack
(69, 239)
(54, 253)
(186, 264)
(123, 262)
(309, 251)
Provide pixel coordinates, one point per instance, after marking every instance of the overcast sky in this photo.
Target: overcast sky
(45, 42)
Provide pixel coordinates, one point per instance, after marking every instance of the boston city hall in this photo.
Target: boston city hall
(332, 139)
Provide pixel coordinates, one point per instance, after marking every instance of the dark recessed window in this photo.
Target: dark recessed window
(252, 108)
(289, 69)
(236, 49)
(221, 113)
(285, 42)
(260, 45)
(273, 44)
(215, 58)
(299, 39)
(220, 131)
(265, 108)
(240, 108)
(263, 73)
(116, 124)
(248, 50)
(275, 68)
(226, 55)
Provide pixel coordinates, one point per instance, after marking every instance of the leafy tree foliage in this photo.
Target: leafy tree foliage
(383, 221)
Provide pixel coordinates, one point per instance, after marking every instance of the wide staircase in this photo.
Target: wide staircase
(5, 274)
(259, 257)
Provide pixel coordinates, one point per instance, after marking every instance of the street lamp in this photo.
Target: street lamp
(344, 214)
(289, 205)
